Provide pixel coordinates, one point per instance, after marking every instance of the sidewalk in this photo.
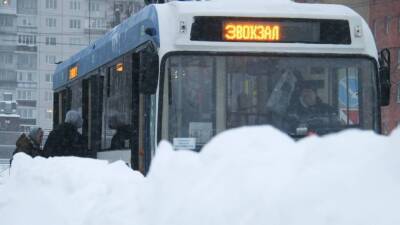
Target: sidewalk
(4, 166)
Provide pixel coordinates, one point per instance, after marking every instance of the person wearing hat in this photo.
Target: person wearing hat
(307, 107)
(123, 133)
(30, 144)
(65, 140)
(310, 104)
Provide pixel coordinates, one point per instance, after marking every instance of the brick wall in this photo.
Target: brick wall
(385, 23)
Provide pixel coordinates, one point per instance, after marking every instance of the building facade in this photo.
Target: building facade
(385, 24)
(8, 60)
(35, 35)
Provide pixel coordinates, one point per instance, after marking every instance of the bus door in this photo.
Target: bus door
(117, 127)
(62, 104)
(144, 88)
(92, 100)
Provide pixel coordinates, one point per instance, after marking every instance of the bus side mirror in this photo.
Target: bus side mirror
(148, 75)
(384, 76)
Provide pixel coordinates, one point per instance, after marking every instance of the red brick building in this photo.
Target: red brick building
(384, 21)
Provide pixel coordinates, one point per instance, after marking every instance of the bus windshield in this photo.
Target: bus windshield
(206, 94)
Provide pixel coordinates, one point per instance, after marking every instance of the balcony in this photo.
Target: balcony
(32, 85)
(9, 10)
(25, 121)
(95, 31)
(28, 103)
(26, 48)
(8, 84)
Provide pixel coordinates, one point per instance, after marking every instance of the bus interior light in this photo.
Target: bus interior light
(119, 67)
(73, 72)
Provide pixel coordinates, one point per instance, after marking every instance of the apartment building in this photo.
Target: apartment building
(35, 35)
(8, 60)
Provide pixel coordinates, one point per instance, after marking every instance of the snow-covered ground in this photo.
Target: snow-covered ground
(244, 176)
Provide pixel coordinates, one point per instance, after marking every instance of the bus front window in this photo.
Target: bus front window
(204, 95)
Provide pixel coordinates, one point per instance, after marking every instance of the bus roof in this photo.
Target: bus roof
(174, 13)
(166, 19)
(121, 39)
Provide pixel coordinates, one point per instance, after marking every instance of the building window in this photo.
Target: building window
(48, 96)
(98, 23)
(387, 24)
(26, 95)
(6, 21)
(51, 4)
(26, 61)
(27, 6)
(5, 2)
(50, 59)
(29, 77)
(27, 39)
(26, 113)
(6, 75)
(51, 22)
(74, 5)
(398, 92)
(49, 114)
(48, 77)
(76, 24)
(398, 58)
(20, 76)
(75, 41)
(94, 6)
(51, 41)
(398, 25)
(6, 58)
(28, 21)
(375, 27)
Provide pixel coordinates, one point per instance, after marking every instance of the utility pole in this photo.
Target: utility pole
(89, 21)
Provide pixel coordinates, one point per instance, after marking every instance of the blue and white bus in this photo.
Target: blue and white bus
(185, 71)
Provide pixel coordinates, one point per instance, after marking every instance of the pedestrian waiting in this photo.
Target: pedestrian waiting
(65, 140)
(30, 144)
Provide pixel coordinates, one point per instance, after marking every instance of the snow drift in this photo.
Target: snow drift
(253, 175)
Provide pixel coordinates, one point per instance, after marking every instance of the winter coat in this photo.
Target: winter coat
(119, 139)
(65, 140)
(318, 109)
(28, 146)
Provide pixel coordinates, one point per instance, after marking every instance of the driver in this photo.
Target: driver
(307, 105)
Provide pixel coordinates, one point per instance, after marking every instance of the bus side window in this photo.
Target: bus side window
(117, 129)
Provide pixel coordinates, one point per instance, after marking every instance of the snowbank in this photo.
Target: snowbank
(244, 176)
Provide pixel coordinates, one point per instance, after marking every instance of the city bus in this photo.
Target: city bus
(185, 71)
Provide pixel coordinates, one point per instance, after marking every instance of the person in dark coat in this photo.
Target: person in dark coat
(309, 104)
(310, 109)
(65, 140)
(30, 144)
(122, 136)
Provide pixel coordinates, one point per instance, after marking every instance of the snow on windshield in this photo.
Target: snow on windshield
(265, 178)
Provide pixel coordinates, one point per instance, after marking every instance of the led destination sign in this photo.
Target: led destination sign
(247, 31)
(276, 30)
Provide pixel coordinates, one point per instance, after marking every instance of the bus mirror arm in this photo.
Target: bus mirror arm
(384, 77)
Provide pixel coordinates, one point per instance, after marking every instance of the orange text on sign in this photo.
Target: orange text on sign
(239, 31)
(73, 72)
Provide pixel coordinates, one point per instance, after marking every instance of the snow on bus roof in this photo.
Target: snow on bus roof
(266, 7)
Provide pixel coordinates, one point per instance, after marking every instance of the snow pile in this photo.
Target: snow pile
(244, 176)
